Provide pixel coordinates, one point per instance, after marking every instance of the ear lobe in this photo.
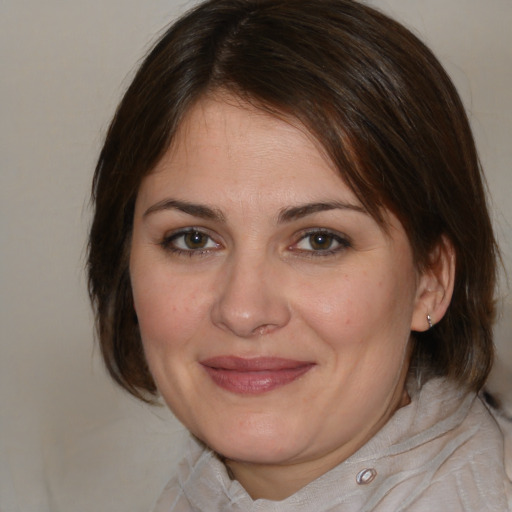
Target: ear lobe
(435, 288)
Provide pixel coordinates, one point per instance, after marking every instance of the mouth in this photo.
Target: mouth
(254, 375)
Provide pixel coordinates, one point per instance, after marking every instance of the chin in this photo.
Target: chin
(261, 443)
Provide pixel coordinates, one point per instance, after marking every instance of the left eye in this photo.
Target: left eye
(321, 242)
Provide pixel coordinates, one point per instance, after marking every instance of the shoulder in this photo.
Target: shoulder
(458, 453)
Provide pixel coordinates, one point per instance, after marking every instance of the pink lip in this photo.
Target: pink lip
(254, 375)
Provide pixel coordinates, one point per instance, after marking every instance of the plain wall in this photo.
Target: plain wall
(70, 440)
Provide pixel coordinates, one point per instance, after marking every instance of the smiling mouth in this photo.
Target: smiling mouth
(254, 375)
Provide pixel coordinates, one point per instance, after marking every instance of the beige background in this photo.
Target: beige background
(69, 440)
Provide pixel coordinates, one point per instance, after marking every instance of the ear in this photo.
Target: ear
(435, 288)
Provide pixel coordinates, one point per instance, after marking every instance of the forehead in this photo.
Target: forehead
(225, 141)
(224, 120)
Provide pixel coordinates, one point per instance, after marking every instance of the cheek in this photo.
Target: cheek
(358, 305)
(168, 309)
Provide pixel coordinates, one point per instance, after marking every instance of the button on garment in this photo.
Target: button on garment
(366, 476)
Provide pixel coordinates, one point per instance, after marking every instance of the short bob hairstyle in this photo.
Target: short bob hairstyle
(380, 105)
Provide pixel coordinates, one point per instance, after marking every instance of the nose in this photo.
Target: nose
(251, 299)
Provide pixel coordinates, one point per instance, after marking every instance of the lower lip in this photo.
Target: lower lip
(255, 382)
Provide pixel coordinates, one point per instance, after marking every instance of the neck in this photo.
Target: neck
(277, 482)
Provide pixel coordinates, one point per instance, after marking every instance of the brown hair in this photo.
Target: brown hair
(383, 109)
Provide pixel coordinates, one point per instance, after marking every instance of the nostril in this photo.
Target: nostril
(263, 329)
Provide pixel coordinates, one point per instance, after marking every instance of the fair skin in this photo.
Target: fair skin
(275, 312)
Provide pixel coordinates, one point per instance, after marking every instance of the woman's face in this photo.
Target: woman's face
(275, 312)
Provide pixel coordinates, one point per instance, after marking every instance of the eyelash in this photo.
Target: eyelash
(342, 242)
(169, 243)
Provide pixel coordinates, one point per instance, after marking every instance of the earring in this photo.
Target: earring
(430, 323)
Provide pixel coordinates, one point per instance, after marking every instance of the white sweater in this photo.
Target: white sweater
(441, 453)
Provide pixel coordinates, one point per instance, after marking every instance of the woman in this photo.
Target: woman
(291, 244)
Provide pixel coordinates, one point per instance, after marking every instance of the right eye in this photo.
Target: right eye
(190, 241)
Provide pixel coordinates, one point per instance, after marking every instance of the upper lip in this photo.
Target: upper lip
(253, 364)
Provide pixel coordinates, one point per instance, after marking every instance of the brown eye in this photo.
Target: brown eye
(321, 241)
(195, 240)
(190, 241)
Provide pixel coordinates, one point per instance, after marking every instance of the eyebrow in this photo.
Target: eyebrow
(300, 211)
(196, 210)
(285, 215)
